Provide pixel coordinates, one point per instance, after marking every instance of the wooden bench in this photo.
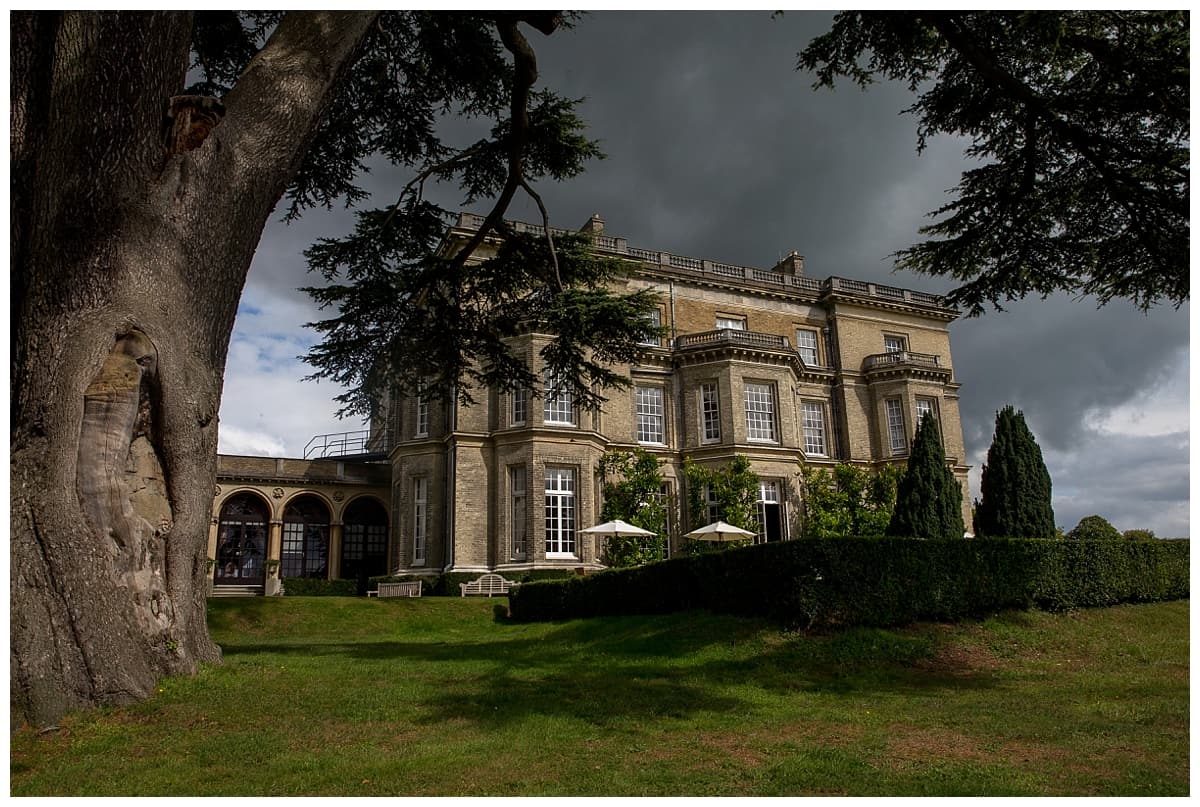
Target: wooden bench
(489, 584)
(411, 588)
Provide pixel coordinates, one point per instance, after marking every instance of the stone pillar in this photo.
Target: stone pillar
(212, 538)
(274, 540)
(335, 550)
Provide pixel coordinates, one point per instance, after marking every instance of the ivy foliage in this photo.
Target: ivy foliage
(1079, 132)
(928, 497)
(1015, 486)
(848, 500)
(734, 489)
(631, 483)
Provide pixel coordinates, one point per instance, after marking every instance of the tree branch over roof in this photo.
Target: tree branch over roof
(1079, 129)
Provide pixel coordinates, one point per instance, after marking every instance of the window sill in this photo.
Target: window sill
(561, 556)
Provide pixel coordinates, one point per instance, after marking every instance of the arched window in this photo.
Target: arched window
(364, 538)
(241, 541)
(305, 538)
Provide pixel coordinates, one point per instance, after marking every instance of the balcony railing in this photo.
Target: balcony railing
(902, 357)
(730, 336)
(338, 445)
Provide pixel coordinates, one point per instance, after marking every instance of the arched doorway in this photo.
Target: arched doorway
(364, 538)
(305, 550)
(241, 541)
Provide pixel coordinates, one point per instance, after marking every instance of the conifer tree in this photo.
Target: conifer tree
(928, 497)
(1015, 486)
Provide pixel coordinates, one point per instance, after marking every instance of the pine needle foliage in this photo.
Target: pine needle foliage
(407, 308)
(1079, 130)
(928, 497)
(1015, 486)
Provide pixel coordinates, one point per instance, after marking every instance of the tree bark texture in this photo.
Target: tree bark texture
(128, 259)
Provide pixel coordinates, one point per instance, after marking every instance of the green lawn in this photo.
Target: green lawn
(331, 696)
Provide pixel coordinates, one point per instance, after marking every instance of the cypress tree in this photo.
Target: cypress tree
(1015, 486)
(928, 497)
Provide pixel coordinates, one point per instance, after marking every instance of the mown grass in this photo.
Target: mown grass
(328, 696)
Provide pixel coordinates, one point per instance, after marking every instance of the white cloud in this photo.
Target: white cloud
(234, 440)
(266, 408)
(1160, 409)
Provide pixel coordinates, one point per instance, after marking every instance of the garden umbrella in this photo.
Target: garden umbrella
(720, 531)
(617, 529)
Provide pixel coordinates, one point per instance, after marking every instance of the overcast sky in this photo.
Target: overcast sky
(718, 148)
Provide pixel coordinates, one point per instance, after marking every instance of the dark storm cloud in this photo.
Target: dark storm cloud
(719, 148)
(1059, 358)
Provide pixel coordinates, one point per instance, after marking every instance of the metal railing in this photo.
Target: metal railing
(339, 444)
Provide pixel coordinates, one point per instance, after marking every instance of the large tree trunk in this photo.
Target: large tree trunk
(129, 253)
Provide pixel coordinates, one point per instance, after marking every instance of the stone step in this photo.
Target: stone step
(236, 591)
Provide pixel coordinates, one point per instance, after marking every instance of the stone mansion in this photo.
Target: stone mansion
(772, 364)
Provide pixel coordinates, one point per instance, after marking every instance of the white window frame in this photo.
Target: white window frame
(927, 404)
(665, 493)
(557, 404)
(559, 512)
(651, 415)
(711, 505)
(421, 429)
(768, 493)
(815, 444)
(895, 343)
(731, 323)
(420, 518)
(518, 506)
(655, 319)
(805, 349)
(924, 405)
(710, 412)
(760, 402)
(897, 438)
(520, 407)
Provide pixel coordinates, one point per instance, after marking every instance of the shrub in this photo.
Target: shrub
(1015, 485)
(1138, 535)
(875, 581)
(734, 489)
(1094, 528)
(632, 491)
(928, 497)
(314, 587)
(848, 500)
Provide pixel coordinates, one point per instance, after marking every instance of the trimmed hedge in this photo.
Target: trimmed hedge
(441, 585)
(875, 581)
(315, 587)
